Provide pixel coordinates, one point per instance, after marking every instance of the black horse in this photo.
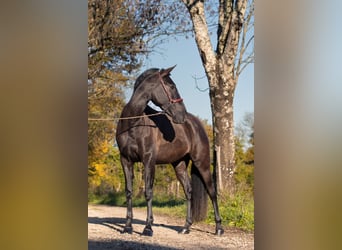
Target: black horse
(174, 136)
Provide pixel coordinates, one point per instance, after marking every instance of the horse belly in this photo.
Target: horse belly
(171, 152)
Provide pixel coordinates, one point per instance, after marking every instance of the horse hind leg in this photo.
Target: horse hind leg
(183, 177)
(219, 230)
(208, 181)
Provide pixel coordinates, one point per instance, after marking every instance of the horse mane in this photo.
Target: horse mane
(146, 74)
(149, 110)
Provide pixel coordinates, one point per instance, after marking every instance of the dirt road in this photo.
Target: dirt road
(105, 224)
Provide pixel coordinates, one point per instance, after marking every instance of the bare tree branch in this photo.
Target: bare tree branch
(241, 64)
(245, 62)
(196, 83)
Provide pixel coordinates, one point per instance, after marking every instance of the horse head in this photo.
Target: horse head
(159, 88)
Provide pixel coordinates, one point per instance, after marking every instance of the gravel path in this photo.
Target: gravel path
(105, 224)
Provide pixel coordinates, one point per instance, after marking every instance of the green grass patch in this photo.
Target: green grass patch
(237, 210)
(119, 199)
(113, 199)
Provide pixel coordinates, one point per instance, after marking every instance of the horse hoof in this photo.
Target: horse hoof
(219, 232)
(127, 230)
(147, 232)
(184, 231)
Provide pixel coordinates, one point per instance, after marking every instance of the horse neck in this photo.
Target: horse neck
(135, 106)
(132, 110)
(133, 118)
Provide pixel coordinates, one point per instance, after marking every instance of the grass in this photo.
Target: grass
(237, 210)
(119, 199)
(113, 199)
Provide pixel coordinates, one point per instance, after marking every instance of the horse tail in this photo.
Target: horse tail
(199, 196)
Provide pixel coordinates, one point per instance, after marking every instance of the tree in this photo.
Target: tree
(223, 67)
(122, 32)
(114, 49)
(107, 43)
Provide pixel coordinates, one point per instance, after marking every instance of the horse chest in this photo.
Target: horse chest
(134, 144)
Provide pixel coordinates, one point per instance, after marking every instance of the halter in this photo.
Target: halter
(172, 100)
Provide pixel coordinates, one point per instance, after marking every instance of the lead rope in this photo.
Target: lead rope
(125, 118)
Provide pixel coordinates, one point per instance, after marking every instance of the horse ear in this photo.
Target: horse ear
(165, 72)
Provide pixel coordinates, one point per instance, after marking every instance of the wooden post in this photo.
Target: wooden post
(218, 162)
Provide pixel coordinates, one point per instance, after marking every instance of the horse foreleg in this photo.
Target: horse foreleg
(149, 179)
(128, 171)
(183, 177)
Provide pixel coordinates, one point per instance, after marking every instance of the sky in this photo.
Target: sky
(183, 53)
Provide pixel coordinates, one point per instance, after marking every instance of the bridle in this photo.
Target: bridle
(171, 100)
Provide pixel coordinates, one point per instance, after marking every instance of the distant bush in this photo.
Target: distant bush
(244, 177)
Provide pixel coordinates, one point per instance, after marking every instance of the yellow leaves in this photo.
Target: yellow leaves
(98, 163)
(99, 151)
(105, 146)
(94, 182)
(105, 169)
(97, 160)
(100, 174)
(100, 169)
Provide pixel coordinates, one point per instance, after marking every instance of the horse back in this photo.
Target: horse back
(200, 147)
(176, 141)
(168, 141)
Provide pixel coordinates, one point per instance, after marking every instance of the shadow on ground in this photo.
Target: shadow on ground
(117, 224)
(124, 245)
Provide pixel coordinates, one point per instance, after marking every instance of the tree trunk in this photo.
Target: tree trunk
(223, 125)
(219, 66)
